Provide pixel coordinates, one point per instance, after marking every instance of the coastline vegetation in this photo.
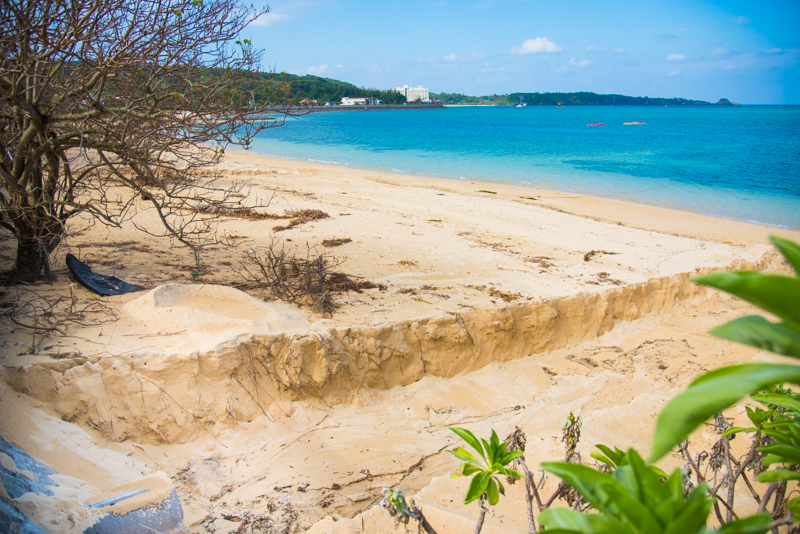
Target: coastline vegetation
(582, 98)
(324, 90)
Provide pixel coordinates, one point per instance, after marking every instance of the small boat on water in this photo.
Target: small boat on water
(634, 122)
(559, 106)
(596, 124)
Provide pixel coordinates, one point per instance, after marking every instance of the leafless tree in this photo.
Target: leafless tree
(110, 107)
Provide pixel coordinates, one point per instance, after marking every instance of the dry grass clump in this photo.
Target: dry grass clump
(240, 212)
(299, 217)
(306, 279)
(589, 255)
(542, 261)
(336, 242)
(493, 292)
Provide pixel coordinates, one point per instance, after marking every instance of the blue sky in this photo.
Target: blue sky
(746, 51)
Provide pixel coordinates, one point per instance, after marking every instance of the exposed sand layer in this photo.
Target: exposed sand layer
(498, 310)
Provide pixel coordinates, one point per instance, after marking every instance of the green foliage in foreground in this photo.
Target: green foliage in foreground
(628, 495)
(633, 498)
(719, 389)
(484, 470)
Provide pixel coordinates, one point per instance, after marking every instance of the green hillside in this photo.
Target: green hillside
(567, 99)
(329, 90)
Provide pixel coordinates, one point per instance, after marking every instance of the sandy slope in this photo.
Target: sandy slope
(491, 316)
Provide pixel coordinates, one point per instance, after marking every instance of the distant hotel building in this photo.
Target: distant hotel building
(413, 94)
(364, 101)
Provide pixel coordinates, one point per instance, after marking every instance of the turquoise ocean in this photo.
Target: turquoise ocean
(737, 162)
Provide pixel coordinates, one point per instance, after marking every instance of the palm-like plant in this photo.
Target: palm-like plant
(485, 469)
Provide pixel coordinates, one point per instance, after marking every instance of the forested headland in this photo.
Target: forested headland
(567, 99)
(325, 90)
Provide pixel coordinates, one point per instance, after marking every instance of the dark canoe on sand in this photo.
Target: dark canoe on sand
(101, 284)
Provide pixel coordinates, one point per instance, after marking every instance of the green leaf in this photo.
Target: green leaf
(509, 457)
(509, 472)
(789, 452)
(758, 416)
(464, 455)
(711, 393)
(599, 457)
(778, 475)
(477, 487)
(469, 469)
(641, 481)
(469, 437)
(605, 493)
(790, 251)
(492, 492)
(756, 524)
(736, 430)
(564, 520)
(616, 456)
(755, 331)
(489, 452)
(776, 399)
(693, 516)
(775, 293)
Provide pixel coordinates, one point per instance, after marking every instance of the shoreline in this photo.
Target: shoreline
(412, 178)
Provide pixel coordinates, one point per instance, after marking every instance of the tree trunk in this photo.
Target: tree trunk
(481, 517)
(33, 260)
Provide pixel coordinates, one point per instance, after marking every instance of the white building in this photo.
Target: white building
(363, 101)
(414, 93)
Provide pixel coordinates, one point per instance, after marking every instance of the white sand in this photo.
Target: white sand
(491, 317)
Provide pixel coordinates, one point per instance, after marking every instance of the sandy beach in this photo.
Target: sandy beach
(482, 305)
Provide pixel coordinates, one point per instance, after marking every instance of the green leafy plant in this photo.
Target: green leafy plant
(618, 458)
(402, 510)
(721, 388)
(485, 469)
(635, 498)
(629, 495)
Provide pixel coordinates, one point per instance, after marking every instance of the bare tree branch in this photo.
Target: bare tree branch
(108, 101)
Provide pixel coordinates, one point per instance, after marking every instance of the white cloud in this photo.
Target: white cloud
(563, 69)
(471, 56)
(742, 21)
(619, 51)
(316, 71)
(581, 63)
(773, 51)
(674, 73)
(730, 67)
(540, 45)
(269, 18)
(675, 58)
(594, 49)
(720, 52)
